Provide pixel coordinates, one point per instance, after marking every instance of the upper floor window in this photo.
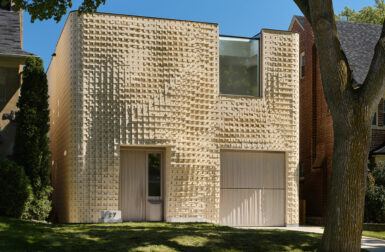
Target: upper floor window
(374, 120)
(302, 65)
(3, 82)
(239, 66)
(383, 113)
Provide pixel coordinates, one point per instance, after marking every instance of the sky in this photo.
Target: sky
(235, 17)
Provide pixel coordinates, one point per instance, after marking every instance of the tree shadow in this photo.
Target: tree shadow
(16, 235)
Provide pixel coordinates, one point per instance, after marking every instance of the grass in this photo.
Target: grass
(374, 230)
(18, 235)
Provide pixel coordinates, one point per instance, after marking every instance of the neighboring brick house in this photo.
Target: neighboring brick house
(316, 125)
(12, 58)
(161, 119)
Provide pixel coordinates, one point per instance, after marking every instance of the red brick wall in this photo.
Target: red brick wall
(316, 129)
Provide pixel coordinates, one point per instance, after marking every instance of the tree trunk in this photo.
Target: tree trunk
(352, 137)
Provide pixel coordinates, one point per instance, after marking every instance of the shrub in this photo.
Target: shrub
(375, 193)
(16, 191)
(31, 142)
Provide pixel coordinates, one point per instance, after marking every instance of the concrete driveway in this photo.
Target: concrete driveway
(368, 243)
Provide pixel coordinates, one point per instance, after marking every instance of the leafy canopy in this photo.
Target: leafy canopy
(368, 14)
(56, 9)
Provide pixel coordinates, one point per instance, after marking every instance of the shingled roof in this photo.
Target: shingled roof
(10, 42)
(358, 42)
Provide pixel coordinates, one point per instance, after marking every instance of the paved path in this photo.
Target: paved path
(368, 243)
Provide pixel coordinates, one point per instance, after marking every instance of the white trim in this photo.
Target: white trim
(292, 23)
(176, 219)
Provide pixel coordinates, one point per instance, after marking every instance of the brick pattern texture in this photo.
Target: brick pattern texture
(133, 81)
(316, 130)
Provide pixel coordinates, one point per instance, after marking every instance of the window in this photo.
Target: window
(3, 81)
(154, 174)
(301, 171)
(383, 113)
(374, 120)
(239, 66)
(302, 65)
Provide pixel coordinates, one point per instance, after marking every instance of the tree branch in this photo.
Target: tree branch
(335, 70)
(303, 5)
(374, 85)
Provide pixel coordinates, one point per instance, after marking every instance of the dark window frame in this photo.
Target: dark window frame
(258, 73)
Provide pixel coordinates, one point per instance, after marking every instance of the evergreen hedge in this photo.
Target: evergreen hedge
(375, 193)
(31, 142)
(16, 192)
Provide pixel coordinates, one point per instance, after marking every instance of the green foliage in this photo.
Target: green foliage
(40, 206)
(375, 193)
(368, 14)
(16, 191)
(47, 9)
(31, 142)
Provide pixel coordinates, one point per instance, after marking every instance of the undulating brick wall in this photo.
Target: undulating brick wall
(134, 81)
(62, 76)
(269, 123)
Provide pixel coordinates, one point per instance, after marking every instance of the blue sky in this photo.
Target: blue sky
(235, 17)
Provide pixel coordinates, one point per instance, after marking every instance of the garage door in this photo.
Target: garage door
(252, 189)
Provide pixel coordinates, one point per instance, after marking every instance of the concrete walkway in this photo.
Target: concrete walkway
(368, 243)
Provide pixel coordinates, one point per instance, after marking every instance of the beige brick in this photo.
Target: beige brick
(133, 81)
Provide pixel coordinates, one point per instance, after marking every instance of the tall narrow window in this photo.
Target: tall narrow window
(154, 174)
(3, 81)
(302, 65)
(239, 66)
(383, 113)
(374, 120)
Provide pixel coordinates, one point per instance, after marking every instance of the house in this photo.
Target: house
(165, 120)
(12, 58)
(316, 125)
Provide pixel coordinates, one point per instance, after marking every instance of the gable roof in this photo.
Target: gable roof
(10, 42)
(300, 20)
(358, 42)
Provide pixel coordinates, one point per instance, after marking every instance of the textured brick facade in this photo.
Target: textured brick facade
(131, 81)
(316, 131)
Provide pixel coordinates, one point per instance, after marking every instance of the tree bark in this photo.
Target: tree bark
(352, 110)
(352, 138)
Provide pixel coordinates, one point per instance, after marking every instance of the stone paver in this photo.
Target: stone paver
(368, 243)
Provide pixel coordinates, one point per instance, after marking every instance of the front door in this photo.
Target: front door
(140, 192)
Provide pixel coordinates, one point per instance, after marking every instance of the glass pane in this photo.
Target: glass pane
(383, 116)
(239, 66)
(374, 120)
(154, 162)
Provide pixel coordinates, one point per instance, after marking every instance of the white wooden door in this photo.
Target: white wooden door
(252, 188)
(141, 189)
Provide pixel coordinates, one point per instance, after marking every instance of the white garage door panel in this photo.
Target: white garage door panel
(252, 207)
(252, 170)
(252, 189)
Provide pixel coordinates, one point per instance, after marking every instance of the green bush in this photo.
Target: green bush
(375, 193)
(31, 141)
(16, 192)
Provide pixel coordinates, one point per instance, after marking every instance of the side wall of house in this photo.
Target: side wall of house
(9, 95)
(316, 131)
(62, 79)
(271, 122)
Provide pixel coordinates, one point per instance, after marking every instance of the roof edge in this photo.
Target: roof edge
(295, 19)
(148, 17)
